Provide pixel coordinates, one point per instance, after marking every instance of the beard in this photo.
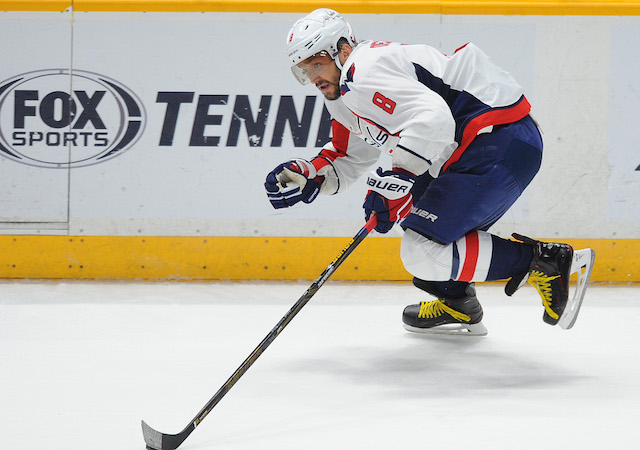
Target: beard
(334, 93)
(333, 96)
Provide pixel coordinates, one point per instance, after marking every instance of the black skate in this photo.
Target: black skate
(461, 316)
(549, 273)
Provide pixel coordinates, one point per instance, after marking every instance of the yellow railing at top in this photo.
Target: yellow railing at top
(472, 7)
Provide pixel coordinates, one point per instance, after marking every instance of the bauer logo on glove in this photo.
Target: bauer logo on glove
(389, 186)
(389, 197)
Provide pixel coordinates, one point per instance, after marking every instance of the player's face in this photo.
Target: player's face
(323, 72)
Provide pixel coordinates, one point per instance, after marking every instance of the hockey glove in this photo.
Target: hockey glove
(291, 182)
(389, 197)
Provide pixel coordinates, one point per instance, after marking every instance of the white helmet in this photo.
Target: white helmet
(318, 31)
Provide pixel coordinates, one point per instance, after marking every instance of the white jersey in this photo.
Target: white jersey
(417, 104)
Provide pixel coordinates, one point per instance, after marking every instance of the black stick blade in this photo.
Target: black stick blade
(160, 441)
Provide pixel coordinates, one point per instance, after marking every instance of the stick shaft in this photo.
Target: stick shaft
(161, 441)
(286, 319)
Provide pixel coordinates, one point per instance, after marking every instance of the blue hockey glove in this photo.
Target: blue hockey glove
(389, 197)
(291, 182)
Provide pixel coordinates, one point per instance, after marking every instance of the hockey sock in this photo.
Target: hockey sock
(508, 258)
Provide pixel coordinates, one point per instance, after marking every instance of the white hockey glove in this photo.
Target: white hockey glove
(291, 182)
(389, 197)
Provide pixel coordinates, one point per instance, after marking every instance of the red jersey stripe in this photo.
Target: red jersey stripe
(471, 257)
(494, 117)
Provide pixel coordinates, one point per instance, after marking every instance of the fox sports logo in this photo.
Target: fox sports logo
(58, 118)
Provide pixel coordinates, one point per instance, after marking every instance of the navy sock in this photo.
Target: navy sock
(509, 258)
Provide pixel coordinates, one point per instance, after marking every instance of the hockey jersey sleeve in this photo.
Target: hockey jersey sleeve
(343, 160)
(380, 87)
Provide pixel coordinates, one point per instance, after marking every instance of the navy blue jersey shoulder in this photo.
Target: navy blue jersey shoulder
(463, 105)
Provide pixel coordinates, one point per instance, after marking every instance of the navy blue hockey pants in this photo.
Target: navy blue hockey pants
(478, 189)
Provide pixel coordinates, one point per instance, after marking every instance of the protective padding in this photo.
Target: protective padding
(467, 259)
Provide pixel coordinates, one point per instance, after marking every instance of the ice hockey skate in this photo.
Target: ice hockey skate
(552, 265)
(461, 316)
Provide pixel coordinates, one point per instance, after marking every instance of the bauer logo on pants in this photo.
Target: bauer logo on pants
(60, 119)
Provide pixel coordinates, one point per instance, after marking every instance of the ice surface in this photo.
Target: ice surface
(84, 362)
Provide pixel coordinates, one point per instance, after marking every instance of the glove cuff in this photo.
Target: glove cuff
(320, 163)
(400, 171)
(307, 169)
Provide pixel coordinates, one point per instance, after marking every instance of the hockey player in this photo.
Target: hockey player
(463, 147)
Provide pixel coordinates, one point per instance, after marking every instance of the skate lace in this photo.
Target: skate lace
(437, 308)
(542, 283)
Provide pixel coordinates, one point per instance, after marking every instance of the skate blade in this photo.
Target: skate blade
(451, 329)
(582, 264)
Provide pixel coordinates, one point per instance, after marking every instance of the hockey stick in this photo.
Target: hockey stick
(156, 440)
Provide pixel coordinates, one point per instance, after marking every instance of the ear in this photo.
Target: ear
(344, 53)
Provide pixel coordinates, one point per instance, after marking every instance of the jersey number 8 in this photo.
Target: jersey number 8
(383, 102)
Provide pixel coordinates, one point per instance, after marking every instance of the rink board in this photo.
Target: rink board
(239, 258)
(167, 208)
